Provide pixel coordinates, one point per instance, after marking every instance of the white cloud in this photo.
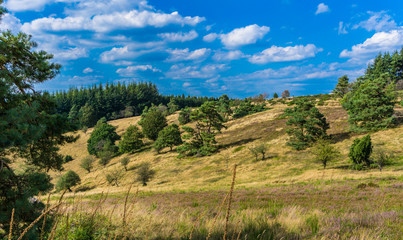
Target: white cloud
(284, 54)
(186, 55)
(179, 36)
(10, 22)
(243, 36)
(221, 56)
(25, 5)
(109, 22)
(117, 53)
(379, 21)
(379, 42)
(322, 8)
(342, 28)
(70, 53)
(120, 55)
(210, 37)
(88, 70)
(180, 71)
(131, 71)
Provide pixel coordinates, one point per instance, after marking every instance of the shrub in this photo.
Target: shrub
(285, 94)
(361, 150)
(260, 149)
(184, 115)
(105, 157)
(113, 177)
(67, 181)
(68, 158)
(103, 136)
(145, 174)
(125, 161)
(87, 163)
(382, 158)
(152, 123)
(275, 95)
(168, 137)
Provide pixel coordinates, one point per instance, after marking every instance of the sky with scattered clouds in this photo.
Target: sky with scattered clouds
(210, 48)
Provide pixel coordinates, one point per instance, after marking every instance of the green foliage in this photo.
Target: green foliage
(114, 177)
(172, 106)
(68, 180)
(125, 161)
(246, 108)
(145, 173)
(324, 152)
(184, 115)
(259, 149)
(68, 158)
(152, 123)
(342, 86)
(30, 129)
(104, 134)
(383, 158)
(224, 106)
(87, 163)
(202, 138)
(275, 95)
(361, 150)
(170, 136)
(308, 124)
(131, 141)
(87, 116)
(105, 157)
(370, 105)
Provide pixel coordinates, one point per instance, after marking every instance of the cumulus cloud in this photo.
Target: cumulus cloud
(322, 8)
(210, 37)
(179, 36)
(109, 22)
(221, 56)
(379, 42)
(88, 70)
(10, 22)
(180, 71)
(243, 36)
(177, 55)
(120, 55)
(131, 71)
(26, 5)
(342, 28)
(284, 54)
(70, 53)
(378, 21)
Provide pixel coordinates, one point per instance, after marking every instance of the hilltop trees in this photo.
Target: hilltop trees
(307, 124)
(28, 124)
(275, 95)
(342, 86)
(131, 141)
(202, 138)
(285, 94)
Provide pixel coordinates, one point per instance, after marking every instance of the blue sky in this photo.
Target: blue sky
(239, 48)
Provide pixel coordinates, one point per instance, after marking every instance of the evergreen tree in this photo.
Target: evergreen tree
(172, 106)
(342, 86)
(184, 115)
(105, 134)
(202, 138)
(308, 124)
(224, 106)
(87, 116)
(67, 181)
(170, 136)
(361, 150)
(131, 140)
(370, 105)
(26, 119)
(275, 95)
(152, 123)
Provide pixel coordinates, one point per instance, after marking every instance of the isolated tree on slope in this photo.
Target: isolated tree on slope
(132, 140)
(170, 136)
(342, 86)
(68, 180)
(152, 123)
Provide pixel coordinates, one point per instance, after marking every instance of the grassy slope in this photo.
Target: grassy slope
(283, 166)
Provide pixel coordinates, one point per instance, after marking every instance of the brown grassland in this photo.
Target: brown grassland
(285, 196)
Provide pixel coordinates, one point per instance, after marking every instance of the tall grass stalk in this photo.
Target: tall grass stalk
(229, 203)
(10, 234)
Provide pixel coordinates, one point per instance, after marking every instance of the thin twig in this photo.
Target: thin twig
(216, 216)
(44, 219)
(10, 233)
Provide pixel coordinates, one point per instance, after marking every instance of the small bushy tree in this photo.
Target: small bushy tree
(105, 157)
(307, 124)
(361, 150)
(342, 86)
(285, 94)
(324, 152)
(259, 149)
(145, 173)
(125, 161)
(114, 177)
(103, 135)
(68, 180)
(275, 95)
(168, 137)
(87, 163)
(184, 115)
(132, 140)
(152, 123)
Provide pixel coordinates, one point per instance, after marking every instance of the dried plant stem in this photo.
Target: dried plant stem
(44, 219)
(216, 216)
(36, 220)
(10, 233)
(229, 203)
(194, 225)
(125, 207)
